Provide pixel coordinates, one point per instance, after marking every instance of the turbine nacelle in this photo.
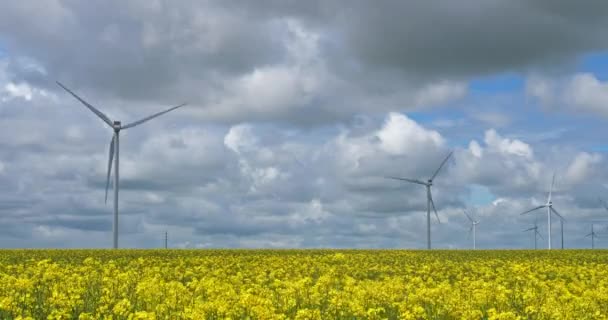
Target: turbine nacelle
(116, 126)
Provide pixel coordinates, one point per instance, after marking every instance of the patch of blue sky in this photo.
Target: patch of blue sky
(430, 116)
(595, 63)
(530, 122)
(599, 148)
(461, 143)
(479, 195)
(506, 82)
(421, 116)
(542, 125)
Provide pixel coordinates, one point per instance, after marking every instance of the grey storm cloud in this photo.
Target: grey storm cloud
(469, 38)
(312, 62)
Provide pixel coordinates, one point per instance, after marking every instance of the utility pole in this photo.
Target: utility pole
(166, 237)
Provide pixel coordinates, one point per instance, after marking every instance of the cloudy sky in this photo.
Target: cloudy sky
(297, 110)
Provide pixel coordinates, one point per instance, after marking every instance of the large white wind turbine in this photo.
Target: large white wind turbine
(550, 209)
(473, 228)
(114, 149)
(536, 233)
(429, 198)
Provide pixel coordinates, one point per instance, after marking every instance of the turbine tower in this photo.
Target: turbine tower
(561, 226)
(114, 149)
(429, 198)
(550, 209)
(474, 224)
(592, 235)
(536, 233)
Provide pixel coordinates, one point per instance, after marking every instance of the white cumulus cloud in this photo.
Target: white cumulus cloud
(581, 92)
(401, 135)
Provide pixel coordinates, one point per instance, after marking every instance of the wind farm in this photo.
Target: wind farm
(208, 170)
(113, 161)
(455, 264)
(375, 160)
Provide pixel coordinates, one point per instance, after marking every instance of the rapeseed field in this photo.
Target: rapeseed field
(303, 284)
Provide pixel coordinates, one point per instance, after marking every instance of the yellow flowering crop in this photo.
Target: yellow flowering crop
(303, 284)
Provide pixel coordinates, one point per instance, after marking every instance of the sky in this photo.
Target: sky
(297, 111)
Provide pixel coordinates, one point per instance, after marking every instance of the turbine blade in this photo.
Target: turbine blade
(589, 235)
(559, 215)
(551, 188)
(95, 111)
(530, 229)
(604, 204)
(538, 233)
(539, 207)
(471, 219)
(434, 209)
(110, 157)
(470, 231)
(408, 180)
(441, 166)
(133, 124)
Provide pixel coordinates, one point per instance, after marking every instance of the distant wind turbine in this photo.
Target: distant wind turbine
(604, 204)
(474, 224)
(429, 198)
(592, 235)
(550, 209)
(536, 233)
(114, 148)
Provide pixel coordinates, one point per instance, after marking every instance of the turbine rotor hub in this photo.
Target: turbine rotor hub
(116, 126)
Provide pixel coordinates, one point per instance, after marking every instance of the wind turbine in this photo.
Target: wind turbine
(429, 198)
(474, 224)
(550, 209)
(604, 204)
(114, 149)
(592, 235)
(536, 233)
